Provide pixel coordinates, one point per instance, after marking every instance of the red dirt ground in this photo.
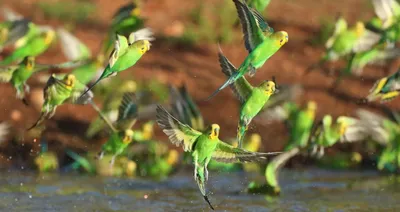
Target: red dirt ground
(198, 68)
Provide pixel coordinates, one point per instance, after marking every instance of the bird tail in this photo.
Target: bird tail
(39, 121)
(199, 176)
(242, 128)
(228, 82)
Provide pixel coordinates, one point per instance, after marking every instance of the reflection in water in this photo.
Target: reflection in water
(307, 190)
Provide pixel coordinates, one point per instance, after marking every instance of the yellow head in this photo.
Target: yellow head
(49, 36)
(148, 129)
(255, 142)
(269, 87)
(281, 37)
(69, 80)
(127, 136)
(135, 11)
(214, 131)
(29, 63)
(311, 108)
(3, 34)
(142, 45)
(173, 157)
(360, 28)
(128, 86)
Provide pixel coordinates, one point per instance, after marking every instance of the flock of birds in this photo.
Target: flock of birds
(182, 121)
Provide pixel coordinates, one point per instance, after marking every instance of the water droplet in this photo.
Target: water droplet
(21, 184)
(146, 196)
(30, 196)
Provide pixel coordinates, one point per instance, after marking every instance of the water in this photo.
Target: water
(302, 190)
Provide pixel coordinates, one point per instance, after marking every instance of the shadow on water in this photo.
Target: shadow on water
(302, 190)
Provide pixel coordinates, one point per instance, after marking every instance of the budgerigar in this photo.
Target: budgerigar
(18, 75)
(35, 46)
(261, 41)
(259, 5)
(121, 134)
(126, 53)
(204, 146)
(252, 99)
(126, 20)
(386, 88)
(60, 91)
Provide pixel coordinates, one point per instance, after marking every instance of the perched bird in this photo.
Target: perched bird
(110, 107)
(252, 99)
(126, 53)
(160, 167)
(46, 161)
(60, 91)
(204, 146)
(260, 41)
(75, 50)
(259, 5)
(35, 46)
(122, 134)
(17, 75)
(126, 20)
(386, 88)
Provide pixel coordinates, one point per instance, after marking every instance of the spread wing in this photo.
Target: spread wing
(386, 10)
(72, 47)
(120, 45)
(366, 41)
(252, 25)
(229, 154)
(127, 111)
(178, 133)
(241, 87)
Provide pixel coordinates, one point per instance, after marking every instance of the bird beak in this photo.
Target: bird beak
(276, 90)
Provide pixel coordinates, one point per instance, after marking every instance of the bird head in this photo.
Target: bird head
(142, 45)
(127, 136)
(135, 11)
(148, 129)
(70, 80)
(269, 87)
(128, 86)
(360, 28)
(214, 131)
(281, 37)
(255, 142)
(29, 62)
(311, 108)
(173, 157)
(49, 36)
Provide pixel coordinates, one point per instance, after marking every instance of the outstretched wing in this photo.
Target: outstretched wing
(252, 25)
(178, 133)
(229, 154)
(386, 10)
(72, 47)
(142, 34)
(241, 87)
(127, 111)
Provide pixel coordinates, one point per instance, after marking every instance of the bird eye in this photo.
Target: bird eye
(281, 41)
(142, 48)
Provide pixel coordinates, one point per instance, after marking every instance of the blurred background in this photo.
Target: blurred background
(185, 53)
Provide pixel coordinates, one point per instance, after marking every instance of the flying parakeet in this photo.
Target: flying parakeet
(60, 91)
(122, 134)
(126, 20)
(386, 88)
(252, 99)
(204, 146)
(388, 12)
(18, 75)
(126, 53)
(261, 41)
(33, 47)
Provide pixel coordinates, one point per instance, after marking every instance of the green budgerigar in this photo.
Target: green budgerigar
(60, 91)
(121, 134)
(126, 20)
(126, 53)
(204, 146)
(13, 31)
(261, 41)
(252, 99)
(386, 88)
(32, 47)
(17, 75)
